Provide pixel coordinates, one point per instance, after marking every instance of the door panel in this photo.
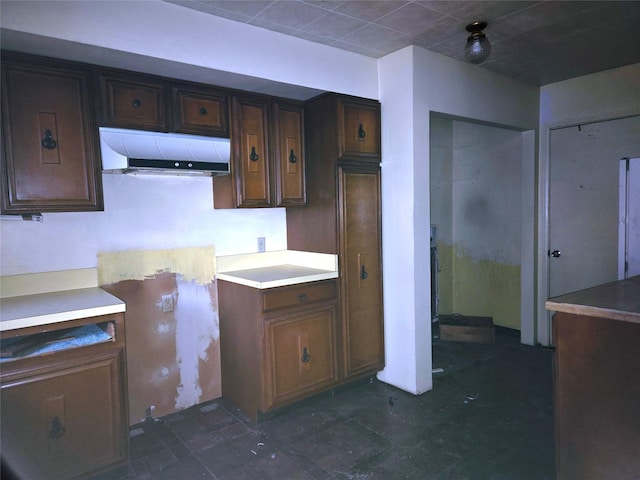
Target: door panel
(583, 201)
(362, 296)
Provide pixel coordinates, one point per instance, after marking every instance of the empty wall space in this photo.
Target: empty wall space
(476, 200)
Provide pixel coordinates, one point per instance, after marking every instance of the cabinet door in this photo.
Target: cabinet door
(361, 270)
(250, 162)
(359, 129)
(136, 103)
(200, 111)
(49, 158)
(301, 355)
(288, 138)
(66, 422)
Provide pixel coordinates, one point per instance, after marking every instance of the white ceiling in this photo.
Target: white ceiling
(537, 42)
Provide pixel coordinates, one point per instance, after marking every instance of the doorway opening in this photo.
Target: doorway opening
(479, 201)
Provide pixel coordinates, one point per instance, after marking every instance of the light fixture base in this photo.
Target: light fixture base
(476, 27)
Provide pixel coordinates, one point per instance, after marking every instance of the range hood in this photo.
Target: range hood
(163, 153)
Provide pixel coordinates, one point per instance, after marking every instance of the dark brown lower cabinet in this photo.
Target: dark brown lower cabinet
(277, 345)
(64, 414)
(597, 397)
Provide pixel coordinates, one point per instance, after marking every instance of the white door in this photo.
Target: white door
(629, 219)
(584, 202)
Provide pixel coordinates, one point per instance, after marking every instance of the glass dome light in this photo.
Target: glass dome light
(478, 47)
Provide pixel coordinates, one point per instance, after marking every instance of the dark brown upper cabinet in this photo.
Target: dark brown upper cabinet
(250, 151)
(267, 155)
(133, 101)
(200, 111)
(358, 129)
(49, 160)
(145, 102)
(289, 157)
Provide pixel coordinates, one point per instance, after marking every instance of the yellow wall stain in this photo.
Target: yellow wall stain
(445, 279)
(195, 264)
(480, 288)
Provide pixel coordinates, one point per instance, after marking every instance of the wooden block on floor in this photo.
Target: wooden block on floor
(461, 328)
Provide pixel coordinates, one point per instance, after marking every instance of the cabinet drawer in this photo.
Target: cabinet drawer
(359, 129)
(303, 294)
(133, 104)
(201, 112)
(302, 357)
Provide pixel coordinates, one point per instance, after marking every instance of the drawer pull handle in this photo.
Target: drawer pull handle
(363, 273)
(292, 157)
(361, 132)
(302, 298)
(48, 142)
(136, 103)
(305, 355)
(253, 156)
(57, 430)
(202, 111)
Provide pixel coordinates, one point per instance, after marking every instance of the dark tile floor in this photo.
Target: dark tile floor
(489, 416)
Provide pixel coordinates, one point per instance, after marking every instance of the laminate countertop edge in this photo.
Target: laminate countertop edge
(619, 300)
(55, 307)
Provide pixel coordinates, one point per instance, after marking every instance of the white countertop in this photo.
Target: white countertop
(36, 299)
(277, 269)
(53, 307)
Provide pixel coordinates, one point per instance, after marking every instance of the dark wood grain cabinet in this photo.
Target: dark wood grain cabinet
(361, 273)
(135, 102)
(251, 169)
(200, 111)
(50, 160)
(343, 217)
(289, 156)
(145, 102)
(268, 156)
(277, 345)
(64, 413)
(358, 129)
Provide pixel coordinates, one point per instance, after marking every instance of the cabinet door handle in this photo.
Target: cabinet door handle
(305, 355)
(302, 298)
(253, 156)
(136, 103)
(48, 142)
(202, 111)
(363, 273)
(57, 430)
(361, 132)
(292, 157)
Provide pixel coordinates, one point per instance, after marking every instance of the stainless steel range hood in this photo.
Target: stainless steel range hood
(137, 151)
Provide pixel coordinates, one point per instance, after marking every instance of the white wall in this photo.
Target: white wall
(413, 83)
(141, 212)
(600, 96)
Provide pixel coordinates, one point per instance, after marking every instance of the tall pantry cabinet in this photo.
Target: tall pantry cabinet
(342, 217)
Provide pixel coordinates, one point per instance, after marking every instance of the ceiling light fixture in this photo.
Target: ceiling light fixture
(478, 47)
